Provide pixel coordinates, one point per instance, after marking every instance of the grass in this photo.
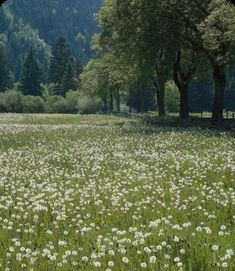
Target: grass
(115, 193)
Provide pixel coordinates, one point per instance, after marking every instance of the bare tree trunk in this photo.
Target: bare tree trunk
(160, 91)
(117, 99)
(220, 84)
(184, 108)
(105, 108)
(111, 101)
(182, 81)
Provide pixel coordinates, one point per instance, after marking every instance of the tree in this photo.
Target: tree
(68, 82)
(58, 61)
(6, 77)
(139, 30)
(31, 76)
(209, 30)
(144, 32)
(109, 78)
(62, 67)
(130, 31)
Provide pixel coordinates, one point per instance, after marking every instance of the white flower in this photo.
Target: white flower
(49, 232)
(125, 260)
(85, 259)
(176, 260)
(223, 227)
(143, 265)
(215, 247)
(97, 264)
(198, 229)
(62, 243)
(110, 263)
(153, 259)
(225, 264)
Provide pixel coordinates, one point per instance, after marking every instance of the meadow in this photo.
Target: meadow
(113, 194)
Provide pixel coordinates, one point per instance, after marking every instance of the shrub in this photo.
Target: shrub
(56, 104)
(71, 101)
(88, 104)
(11, 101)
(171, 97)
(33, 104)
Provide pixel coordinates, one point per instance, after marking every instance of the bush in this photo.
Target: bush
(171, 97)
(11, 101)
(72, 101)
(88, 105)
(56, 104)
(33, 104)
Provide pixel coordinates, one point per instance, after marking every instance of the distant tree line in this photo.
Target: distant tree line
(63, 71)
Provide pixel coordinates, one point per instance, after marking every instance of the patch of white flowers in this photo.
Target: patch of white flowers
(94, 195)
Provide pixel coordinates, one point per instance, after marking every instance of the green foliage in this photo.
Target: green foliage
(39, 23)
(55, 104)
(88, 104)
(108, 78)
(158, 35)
(62, 68)
(6, 77)
(60, 104)
(15, 102)
(69, 82)
(33, 104)
(30, 82)
(172, 97)
(11, 101)
(72, 101)
(141, 98)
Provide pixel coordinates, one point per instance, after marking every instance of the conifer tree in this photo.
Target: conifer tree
(6, 77)
(62, 67)
(31, 75)
(69, 82)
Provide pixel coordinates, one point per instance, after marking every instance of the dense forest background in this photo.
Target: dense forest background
(52, 55)
(39, 24)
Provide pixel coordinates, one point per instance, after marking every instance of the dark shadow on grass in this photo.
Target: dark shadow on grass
(151, 123)
(191, 122)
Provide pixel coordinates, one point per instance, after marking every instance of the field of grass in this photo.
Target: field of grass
(113, 194)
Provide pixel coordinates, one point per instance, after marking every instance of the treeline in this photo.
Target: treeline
(62, 75)
(36, 93)
(149, 55)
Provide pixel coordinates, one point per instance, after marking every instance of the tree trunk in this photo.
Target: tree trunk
(220, 84)
(105, 108)
(111, 101)
(161, 100)
(182, 80)
(117, 98)
(184, 108)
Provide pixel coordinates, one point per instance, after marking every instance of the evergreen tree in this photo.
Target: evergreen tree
(6, 77)
(62, 68)
(31, 75)
(58, 61)
(69, 82)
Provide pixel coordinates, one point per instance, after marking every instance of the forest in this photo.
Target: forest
(137, 57)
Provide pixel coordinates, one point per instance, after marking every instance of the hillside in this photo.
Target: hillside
(40, 23)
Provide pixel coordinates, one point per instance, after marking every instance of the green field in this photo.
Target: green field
(111, 193)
